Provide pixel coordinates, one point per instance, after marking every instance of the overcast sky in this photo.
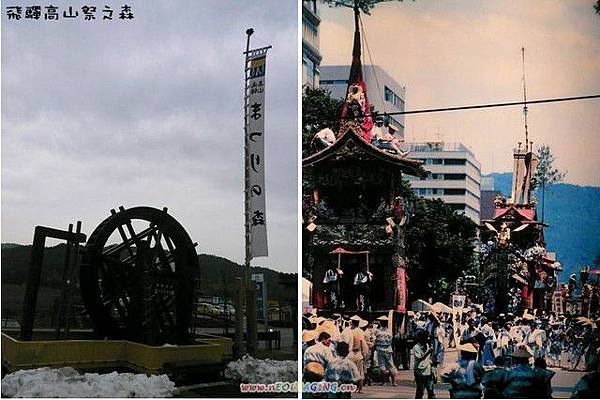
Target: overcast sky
(148, 112)
(451, 53)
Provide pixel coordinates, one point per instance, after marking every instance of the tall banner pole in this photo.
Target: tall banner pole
(250, 343)
(243, 284)
(254, 182)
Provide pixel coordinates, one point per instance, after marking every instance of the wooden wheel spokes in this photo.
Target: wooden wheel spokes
(140, 288)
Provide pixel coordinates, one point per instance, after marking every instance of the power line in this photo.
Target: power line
(473, 107)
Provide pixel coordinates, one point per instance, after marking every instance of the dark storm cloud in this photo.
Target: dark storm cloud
(148, 111)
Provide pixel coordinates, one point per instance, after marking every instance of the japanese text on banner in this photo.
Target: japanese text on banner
(255, 153)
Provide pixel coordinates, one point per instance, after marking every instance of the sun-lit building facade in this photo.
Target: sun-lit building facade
(311, 57)
(454, 176)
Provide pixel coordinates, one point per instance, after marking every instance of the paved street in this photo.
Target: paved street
(562, 385)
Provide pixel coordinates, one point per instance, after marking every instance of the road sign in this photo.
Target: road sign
(261, 295)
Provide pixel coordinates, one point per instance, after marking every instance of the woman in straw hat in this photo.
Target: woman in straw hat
(318, 353)
(465, 375)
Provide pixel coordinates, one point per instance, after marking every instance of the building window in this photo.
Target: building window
(454, 192)
(310, 32)
(429, 191)
(434, 161)
(309, 71)
(395, 122)
(311, 5)
(334, 81)
(455, 177)
(304, 72)
(393, 98)
(454, 161)
(310, 29)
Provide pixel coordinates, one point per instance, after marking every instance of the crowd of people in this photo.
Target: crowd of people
(347, 350)
(379, 136)
(505, 357)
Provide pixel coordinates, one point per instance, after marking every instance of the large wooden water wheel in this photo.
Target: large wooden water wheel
(137, 277)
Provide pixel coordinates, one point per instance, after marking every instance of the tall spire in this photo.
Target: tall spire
(525, 162)
(356, 104)
(525, 100)
(356, 67)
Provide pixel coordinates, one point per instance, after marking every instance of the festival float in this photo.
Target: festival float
(518, 271)
(355, 210)
(519, 274)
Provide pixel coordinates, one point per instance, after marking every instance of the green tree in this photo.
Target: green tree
(545, 174)
(440, 249)
(364, 5)
(597, 6)
(319, 111)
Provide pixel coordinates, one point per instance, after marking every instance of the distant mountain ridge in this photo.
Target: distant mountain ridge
(9, 245)
(217, 274)
(572, 213)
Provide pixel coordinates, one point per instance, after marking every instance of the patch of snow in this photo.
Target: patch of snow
(252, 370)
(67, 382)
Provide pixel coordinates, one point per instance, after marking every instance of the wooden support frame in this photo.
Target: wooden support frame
(40, 235)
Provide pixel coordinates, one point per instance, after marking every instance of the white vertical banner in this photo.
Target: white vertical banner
(458, 304)
(256, 62)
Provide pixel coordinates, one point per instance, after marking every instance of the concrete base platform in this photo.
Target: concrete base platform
(210, 352)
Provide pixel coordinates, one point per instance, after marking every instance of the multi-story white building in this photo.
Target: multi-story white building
(455, 176)
(311, 57)
(384, 93)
